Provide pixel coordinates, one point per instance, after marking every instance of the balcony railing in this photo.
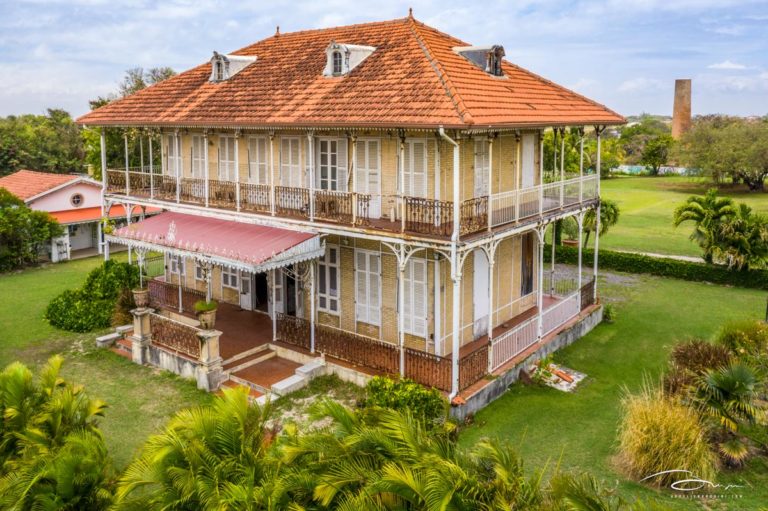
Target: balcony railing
(415, 215)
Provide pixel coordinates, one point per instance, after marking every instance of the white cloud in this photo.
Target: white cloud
(727, 64)
(642, 85)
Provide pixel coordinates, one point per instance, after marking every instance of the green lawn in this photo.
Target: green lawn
(579, 430)
(140, 399)
(647, 204)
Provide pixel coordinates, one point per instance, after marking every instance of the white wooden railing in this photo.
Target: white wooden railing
(516, 205)
(513, 342)
(560, 313)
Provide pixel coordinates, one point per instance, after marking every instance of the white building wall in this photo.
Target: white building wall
(60, 200)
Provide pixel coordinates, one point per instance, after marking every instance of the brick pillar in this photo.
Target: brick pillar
(209, 372)
(142, 334)
(681, 112)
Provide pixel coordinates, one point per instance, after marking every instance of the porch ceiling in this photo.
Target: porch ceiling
(254, 248)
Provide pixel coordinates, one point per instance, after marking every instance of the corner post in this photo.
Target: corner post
(206, 168)
(400, 307)
(491, 253)
(581, 164)
(490, 183)
(272, 175)
(353, 171)
(311, 166)
(598, 132)
(518, 168)
(312, 306)
(237, 170)
(151, 169)
(580, 221)
(401, 181)
(562, 167)
(177, 142)
(539, 291)
(127, 175)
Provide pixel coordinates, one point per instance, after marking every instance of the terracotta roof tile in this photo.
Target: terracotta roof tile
(414, 78)
(25, 184)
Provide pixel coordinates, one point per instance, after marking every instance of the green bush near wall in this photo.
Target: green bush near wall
(662, 267)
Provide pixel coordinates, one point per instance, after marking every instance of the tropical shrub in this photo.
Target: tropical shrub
(23, 231)
(706, 212)
(728, 395)
(93, 305)
(52, 452)
(745, 338)
(690, 360)
(609, 216)
(741, 240)
(658, 433)
(663, 267)
(425, 403)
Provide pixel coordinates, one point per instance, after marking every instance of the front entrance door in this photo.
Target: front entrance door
(246, 290)
(261, 292)
(480, 292)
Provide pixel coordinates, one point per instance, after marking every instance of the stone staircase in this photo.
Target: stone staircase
(266, 374)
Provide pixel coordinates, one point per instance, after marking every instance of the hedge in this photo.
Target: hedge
(663, 267)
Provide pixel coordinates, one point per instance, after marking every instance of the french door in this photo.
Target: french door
(368, 174)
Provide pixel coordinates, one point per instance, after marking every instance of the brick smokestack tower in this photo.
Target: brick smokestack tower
(681, 113)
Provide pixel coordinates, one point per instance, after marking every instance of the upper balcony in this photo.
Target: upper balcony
(415, 216)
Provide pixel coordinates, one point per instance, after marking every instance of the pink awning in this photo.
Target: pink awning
(247, 246)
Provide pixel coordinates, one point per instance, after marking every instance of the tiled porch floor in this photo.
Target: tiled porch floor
(241, 329)
(268, 372)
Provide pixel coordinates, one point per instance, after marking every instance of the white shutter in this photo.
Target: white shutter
(368, 287)
(257, 160)
(361, 275)
(361, 167)
(481, 168)
(415, 298)
(419, 172)
(342, 164)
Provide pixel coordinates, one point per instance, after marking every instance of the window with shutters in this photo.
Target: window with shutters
(227, 170)
(177, 265)
(228, 277)
(415, 298)
(258, 160)
(198, 157)
(199, 271)
(331, 165)
(482, 167)
(290, 162)
(328, 280)
(526, 256)
(415, 168)
(368, 287)
(174, 158)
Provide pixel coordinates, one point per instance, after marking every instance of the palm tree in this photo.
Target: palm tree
(609, 216)
(742, 239)
(728, 395)
(706, 212)
(208, 457)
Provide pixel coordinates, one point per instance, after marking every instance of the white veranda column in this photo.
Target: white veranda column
(539, 292)
(491, 262)
(400, 309)
(456, 322)
(312, 299)
(598, 131)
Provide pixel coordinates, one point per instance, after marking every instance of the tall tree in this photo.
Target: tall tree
(656, 152)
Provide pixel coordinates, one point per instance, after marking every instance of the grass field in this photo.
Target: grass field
(647, 204)
(140, 399)
(579, 430)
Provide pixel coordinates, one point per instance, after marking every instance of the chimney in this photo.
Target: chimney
(681, 112)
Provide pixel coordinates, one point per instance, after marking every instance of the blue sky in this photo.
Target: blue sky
(623, 53)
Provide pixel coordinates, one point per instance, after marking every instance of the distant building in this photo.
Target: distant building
(73, 200)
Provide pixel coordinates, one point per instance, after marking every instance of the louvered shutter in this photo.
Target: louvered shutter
(361, 167)
(285, 162)
(407, 301)
(419, 286)
(419, 169)
(407, 170)
(361, 301)
(341, 165)
(297, 172)
(374, 284)
(263, 166)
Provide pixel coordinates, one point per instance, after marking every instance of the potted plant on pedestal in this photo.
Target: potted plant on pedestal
(206, 313)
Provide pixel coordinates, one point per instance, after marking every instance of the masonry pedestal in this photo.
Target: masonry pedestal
(209, 372)
(142, 334)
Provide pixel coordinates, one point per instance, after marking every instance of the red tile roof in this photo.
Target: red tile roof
(26, 184)
(413, 79)
(75, 216)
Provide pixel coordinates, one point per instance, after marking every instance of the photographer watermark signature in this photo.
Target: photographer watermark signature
(690, 482)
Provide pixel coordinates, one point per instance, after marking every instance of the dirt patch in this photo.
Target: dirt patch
(296, 408)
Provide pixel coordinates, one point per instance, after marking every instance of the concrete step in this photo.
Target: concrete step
(312, 369)
(249, 384)
(252, 393)
(290, 384)
(245, 354)
(108, 340)
(253, 359)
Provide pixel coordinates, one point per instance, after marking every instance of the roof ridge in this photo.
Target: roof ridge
(442, 76)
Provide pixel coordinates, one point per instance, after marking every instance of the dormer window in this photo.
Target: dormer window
(487, 58)
(343, 58)
(224, 67)
(337, 62)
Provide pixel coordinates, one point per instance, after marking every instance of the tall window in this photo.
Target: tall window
(258, 166)
(228, 277)
(527, 246)
(174, 158)
(331, 168)
(198, 156)
(368, 287)
(415, 298)
(482, 167)
(337, 63)
(290, 164)
(227, 170)
(177, 265)
(328, 280)
(415, 166)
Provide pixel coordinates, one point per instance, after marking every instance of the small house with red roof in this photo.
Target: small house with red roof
(74, 200)
(365, 199)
